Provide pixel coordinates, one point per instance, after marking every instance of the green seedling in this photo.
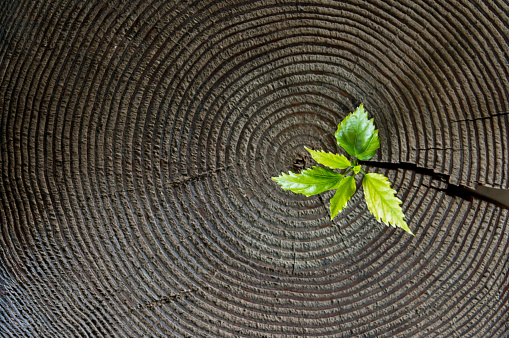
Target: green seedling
(357, 135)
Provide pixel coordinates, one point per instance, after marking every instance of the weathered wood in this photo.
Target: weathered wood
(138, 138)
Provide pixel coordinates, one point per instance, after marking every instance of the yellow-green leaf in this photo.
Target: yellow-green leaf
(346, 189)
(330, 160)
(382, 201)
(356, 169)
(310, 182)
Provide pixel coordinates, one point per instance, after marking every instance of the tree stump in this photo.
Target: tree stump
(138, 139)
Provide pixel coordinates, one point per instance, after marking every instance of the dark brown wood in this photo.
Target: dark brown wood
(138, 140)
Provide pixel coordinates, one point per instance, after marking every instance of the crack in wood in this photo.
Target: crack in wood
(499, 197)
(294, 266)
(323, 203)
(164, 300)
(438, 148)
(185, 179)
(481, 118)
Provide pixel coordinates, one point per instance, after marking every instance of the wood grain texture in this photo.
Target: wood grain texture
(138, 139)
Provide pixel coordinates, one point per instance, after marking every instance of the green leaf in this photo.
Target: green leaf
(382, 202)
(346, 189)
(356, 169)
(330, 160)
(310, 182)
(357, 135)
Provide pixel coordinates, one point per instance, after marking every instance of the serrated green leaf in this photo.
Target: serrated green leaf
(330, 160)
(356, 169)
(382, 202)
(310, 182)
(346, 189)
(357, 135)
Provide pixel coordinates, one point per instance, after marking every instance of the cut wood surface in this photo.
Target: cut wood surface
(138, 140)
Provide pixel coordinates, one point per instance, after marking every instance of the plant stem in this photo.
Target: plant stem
(348, 170)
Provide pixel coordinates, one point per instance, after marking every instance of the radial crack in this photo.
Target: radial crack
(185, 179)
(499, 197)
(438, 148)
(481, 118)
(164, 300)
